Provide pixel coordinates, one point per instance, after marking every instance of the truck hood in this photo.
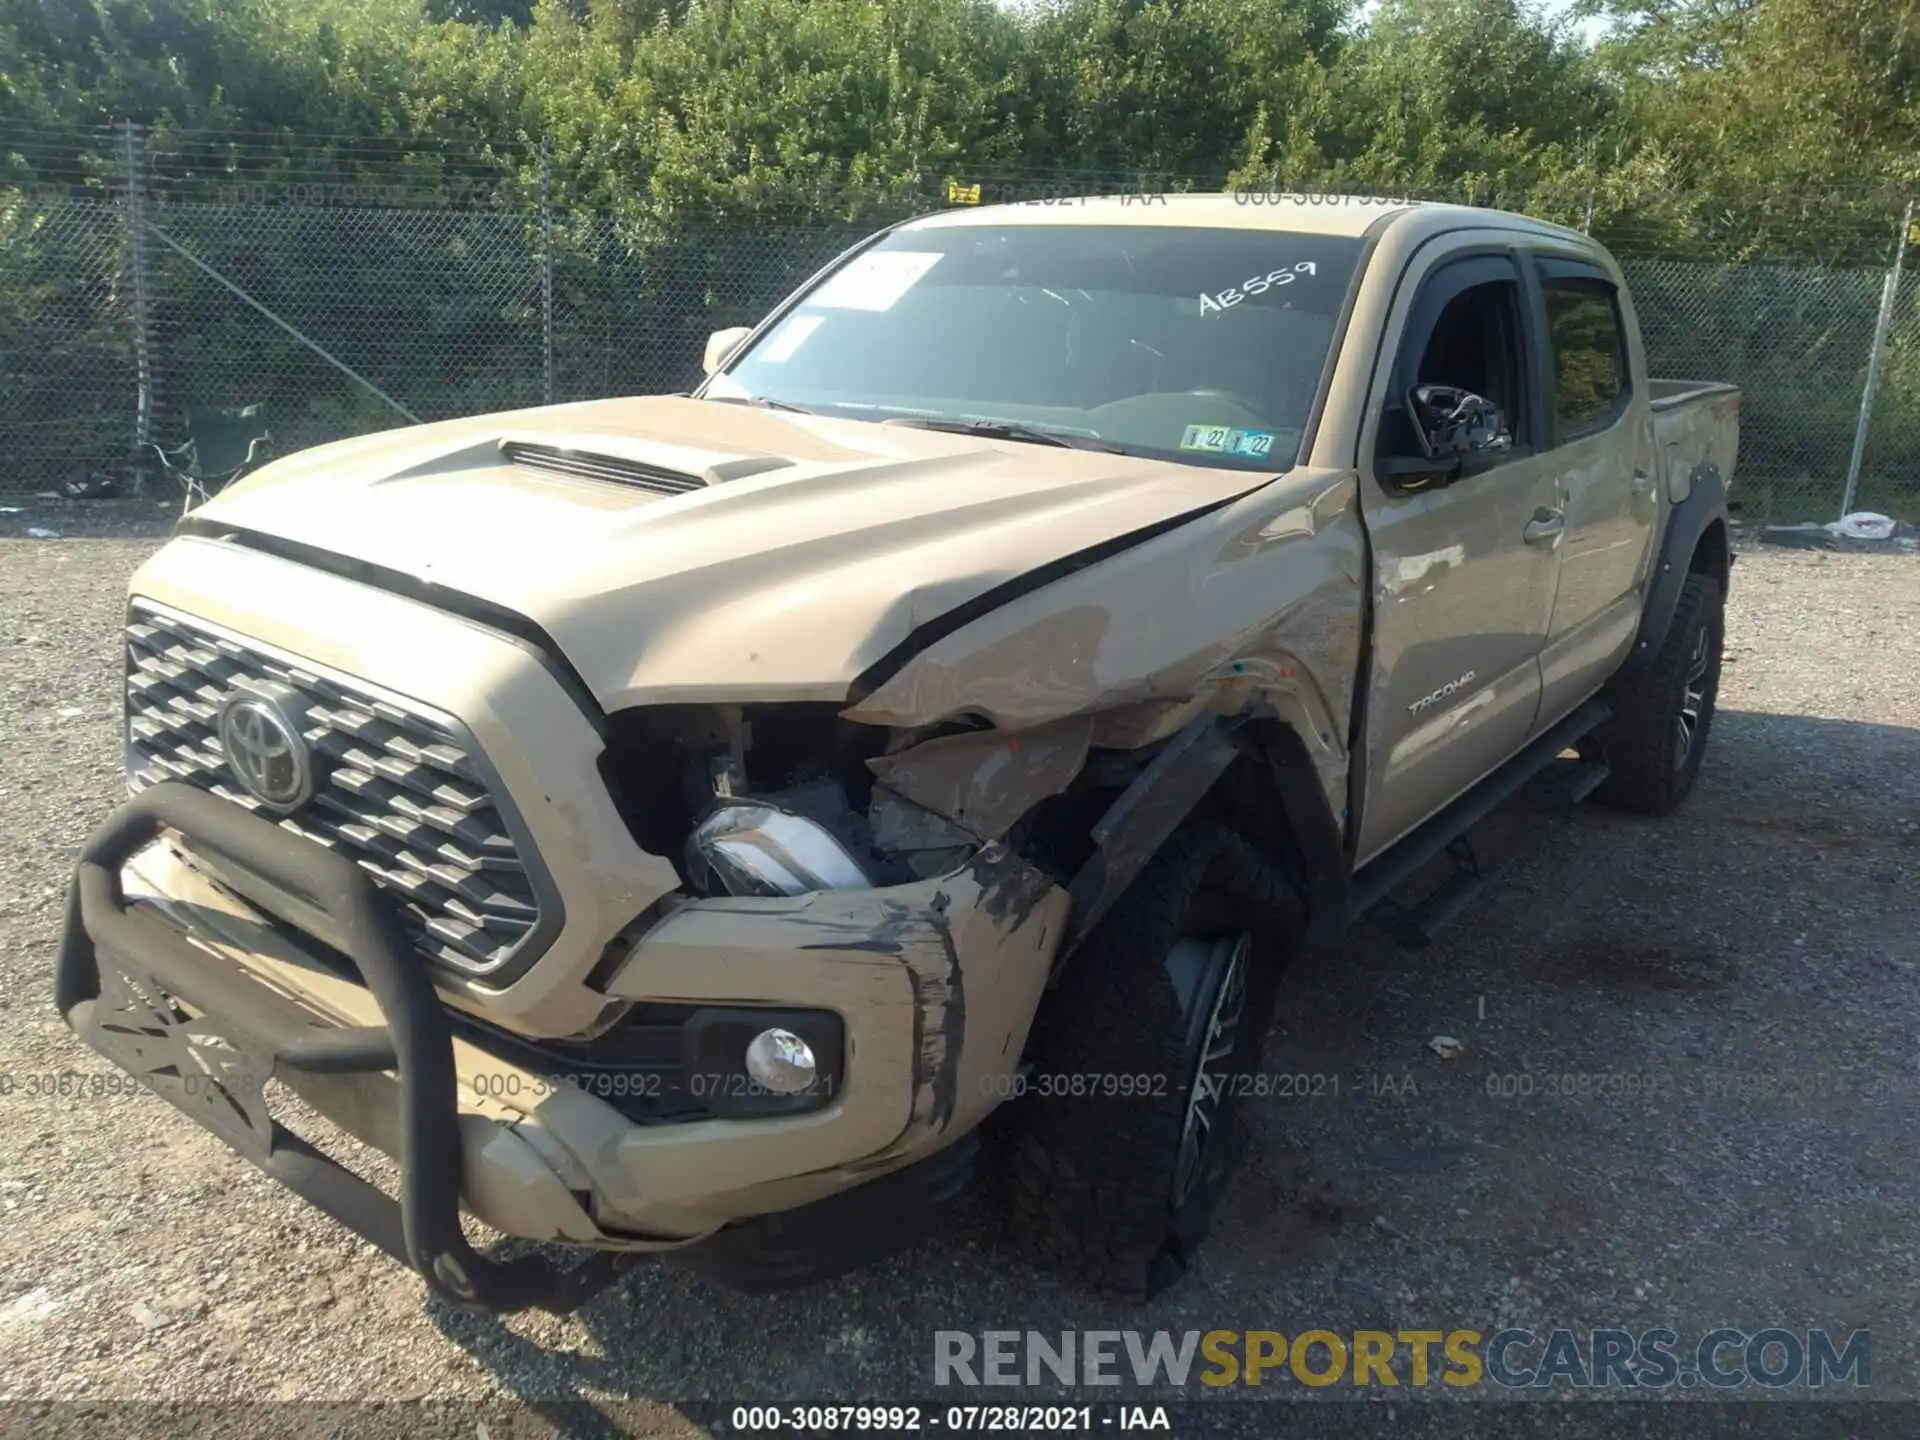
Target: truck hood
(775, 557)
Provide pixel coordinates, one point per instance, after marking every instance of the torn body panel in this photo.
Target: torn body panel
(1253, 609)
(985, 780)
(1147, 812)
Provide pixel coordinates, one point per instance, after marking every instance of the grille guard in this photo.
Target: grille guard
(243, 1023)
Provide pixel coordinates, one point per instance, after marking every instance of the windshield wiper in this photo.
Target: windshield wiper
(1006, 430)
(765, 402)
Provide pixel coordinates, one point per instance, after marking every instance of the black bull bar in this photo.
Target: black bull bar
(121, 969)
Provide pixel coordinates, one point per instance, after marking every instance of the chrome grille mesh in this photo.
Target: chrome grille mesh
(397, 788)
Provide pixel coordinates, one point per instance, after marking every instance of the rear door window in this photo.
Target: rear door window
(1589, 350)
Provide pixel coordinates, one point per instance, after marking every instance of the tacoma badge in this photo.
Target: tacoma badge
(1452, 687)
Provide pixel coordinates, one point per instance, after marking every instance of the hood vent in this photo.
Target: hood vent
(586, 466)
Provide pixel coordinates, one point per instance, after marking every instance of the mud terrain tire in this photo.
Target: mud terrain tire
(1658, 733)
(1115, 1186)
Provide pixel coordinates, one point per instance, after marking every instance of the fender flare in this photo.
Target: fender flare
(1687, 522)
(1161, 797)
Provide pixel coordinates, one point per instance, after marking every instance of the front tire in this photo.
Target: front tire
(1658, 734)
(1162, 1009)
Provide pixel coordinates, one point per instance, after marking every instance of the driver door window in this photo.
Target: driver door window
(1472, 339)
(1476, 347)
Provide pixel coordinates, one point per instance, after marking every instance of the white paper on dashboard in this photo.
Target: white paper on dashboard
(874, 281)
(790, 337)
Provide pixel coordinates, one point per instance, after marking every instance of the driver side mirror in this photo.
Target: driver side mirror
(721, 344)
(1457, 432)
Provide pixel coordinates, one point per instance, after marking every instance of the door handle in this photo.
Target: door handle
(1546, 527)
(1642, 483)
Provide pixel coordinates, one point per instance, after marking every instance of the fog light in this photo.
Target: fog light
(781, 1061)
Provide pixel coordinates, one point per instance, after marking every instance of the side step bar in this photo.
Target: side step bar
(1586, 777)
(1416, 926)
(1446, 831)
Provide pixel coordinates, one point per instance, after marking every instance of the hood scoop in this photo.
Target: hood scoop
(663, 468)
(587, 466)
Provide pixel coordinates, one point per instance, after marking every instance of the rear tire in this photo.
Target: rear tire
(1658, 734)
(1165, 1003)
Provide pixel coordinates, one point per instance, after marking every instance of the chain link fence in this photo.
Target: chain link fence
(67, 361)
(631, 313)
(340, 310)
(1797, 340)
(339, 320)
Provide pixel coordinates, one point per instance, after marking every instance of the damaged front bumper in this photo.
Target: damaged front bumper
(205, 999)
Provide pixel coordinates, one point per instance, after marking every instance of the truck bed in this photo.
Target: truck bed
(1668, 394)
(1696, 425)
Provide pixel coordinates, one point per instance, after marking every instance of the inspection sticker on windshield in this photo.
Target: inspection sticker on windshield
(874, 281)
(1255, 285)
(1225, 440)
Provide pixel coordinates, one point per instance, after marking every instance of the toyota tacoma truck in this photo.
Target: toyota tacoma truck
(686, 825)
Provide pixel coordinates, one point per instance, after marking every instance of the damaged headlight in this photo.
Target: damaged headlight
(752, 849)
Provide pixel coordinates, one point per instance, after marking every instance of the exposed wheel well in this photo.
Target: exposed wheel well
(1271, 795)
(1247, 800)
(1711, 553)
(1255, 777)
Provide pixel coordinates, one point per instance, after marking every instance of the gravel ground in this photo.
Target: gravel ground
(1756, 959)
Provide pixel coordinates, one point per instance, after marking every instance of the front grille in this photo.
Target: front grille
(399, 788)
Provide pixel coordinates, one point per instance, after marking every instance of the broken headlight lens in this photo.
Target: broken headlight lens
(751, 849)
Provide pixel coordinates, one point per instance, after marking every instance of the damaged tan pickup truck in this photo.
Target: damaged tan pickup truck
(687, 825)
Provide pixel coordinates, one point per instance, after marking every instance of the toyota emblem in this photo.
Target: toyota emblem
(266, 751)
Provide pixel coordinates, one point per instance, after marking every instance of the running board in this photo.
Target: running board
(1416, 926)
(1585, 777)
(1375, 883)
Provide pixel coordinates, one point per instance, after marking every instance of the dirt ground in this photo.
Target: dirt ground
(1754, 961)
